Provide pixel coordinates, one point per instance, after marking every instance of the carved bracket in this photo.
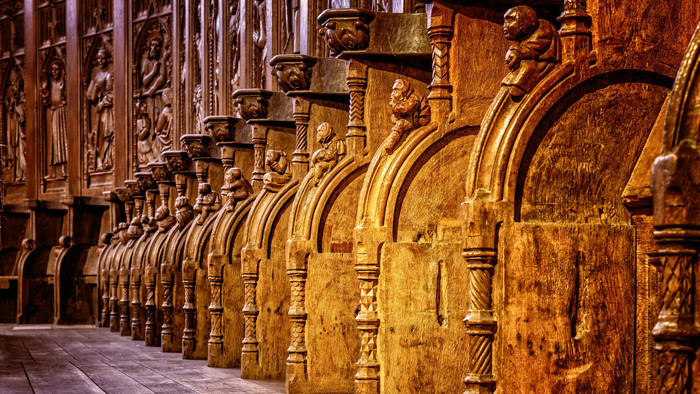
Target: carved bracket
(198, 146)
(293, 72)
(346, 29)
(160, 172)
(252, 103)
(177, 161)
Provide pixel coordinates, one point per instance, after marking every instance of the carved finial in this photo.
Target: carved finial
(575, 30)
(326, 158)
(536, 52)
(409, 109)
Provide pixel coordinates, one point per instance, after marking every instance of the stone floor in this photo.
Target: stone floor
(77, 359)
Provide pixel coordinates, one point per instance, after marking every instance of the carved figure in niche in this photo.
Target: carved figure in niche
(279, 164)
(233, 27)
(259, 42)
(146, 140)
(152, 68)
(100, 95)
(16, 132)
(536, 52)
(163, 218)
(198, 110)
(207, 201)
(410, 110)
(164, 125)
(184, 212)
(238, 188)
(326, 158)
(54, 95)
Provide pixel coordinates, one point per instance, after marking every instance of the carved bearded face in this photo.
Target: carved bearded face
(154, 48)
(324, 133)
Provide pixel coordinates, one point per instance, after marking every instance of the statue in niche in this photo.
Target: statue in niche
(409, 109)
(237, 187)
(16, 133)
(100, 95)
(146, 141)
(163, 218)
(198, 110)
(332, 148)
(154, 74)
(207, 201)
(152, 68)
(164, 125)
(233, 27)
(279, 164)
(536, 52)
(183, 211)
(259, 42)
(54, 95)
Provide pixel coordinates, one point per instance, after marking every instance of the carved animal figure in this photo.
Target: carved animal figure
(207, 201)
(326, 158)
(410, 110)
(536, 52)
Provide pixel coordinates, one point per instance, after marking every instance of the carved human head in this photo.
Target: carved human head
(324, 133)
(55, 69)
(204, 188)
(155, 43)
(232, 175)
(162, 212)
(102, 58)
(520, 22)
(167, 96)
(401, 88)
(277, 160)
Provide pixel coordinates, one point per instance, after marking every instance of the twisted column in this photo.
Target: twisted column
(480, 320)
(166, 330)
(216, 310)
(300, 156)
(250, 314)
(190, 310)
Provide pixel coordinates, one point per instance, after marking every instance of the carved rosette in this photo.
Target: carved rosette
(252, 103)
(345, 29)
(293, 72)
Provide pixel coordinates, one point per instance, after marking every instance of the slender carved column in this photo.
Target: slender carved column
(300, 160)
(249, 271)
(368, 269)
(259, 143)
(297, 271)
(480, 321)
(675, 333)
(481, 223)
(357, 83)
(104, 318)
(135, 231)
(440, 31)
(166, 330)
(250, 313)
